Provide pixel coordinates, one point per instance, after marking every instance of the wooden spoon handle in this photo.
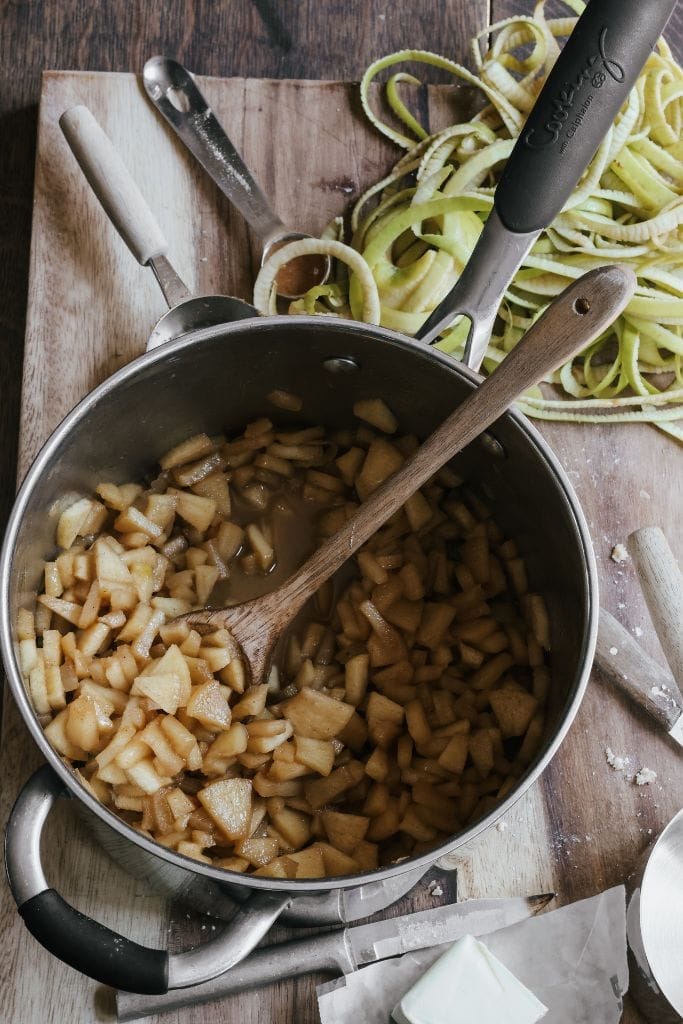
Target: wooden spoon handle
(576, 317)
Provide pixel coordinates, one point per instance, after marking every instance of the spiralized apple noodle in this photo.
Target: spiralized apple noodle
(416, 228)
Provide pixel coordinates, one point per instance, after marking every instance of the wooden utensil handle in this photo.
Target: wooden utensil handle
(577, 316)
(113, 185)
(662, 584)
(625, 664)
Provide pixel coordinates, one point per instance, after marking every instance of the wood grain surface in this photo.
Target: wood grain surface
(90, 309)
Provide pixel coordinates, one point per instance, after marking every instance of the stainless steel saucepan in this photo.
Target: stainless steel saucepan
(217, 379)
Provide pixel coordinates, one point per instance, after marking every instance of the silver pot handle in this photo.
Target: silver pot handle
(97, 951)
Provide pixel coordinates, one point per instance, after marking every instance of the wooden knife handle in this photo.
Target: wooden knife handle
(625, 664)
(662, 585)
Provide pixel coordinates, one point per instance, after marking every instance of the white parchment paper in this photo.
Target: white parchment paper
(572, 959)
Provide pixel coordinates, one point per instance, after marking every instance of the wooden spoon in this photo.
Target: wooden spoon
(577, 316)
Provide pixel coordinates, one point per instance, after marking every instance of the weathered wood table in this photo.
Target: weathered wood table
(90, 309)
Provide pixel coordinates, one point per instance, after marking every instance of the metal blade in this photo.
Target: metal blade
(341, 951)
(382, 939)
(676, 731)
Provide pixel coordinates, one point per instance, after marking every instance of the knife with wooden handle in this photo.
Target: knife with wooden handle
(343, 950)
(662, 585)
(623, 661)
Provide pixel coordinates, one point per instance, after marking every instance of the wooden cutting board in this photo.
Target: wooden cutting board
(583, 826)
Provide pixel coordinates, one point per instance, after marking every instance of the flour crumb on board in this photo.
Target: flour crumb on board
(613, 651)
(644, 494)
(502, 826)
(434, 889)
(637, 631)
(619, 553)
(618, 763)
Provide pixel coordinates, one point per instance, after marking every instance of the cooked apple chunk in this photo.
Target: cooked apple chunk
(316, 715)
(195, 510)
(316, 754)
(84, 516)
(164, 691)
(513, 709)
(257, 851)
(309, 862)
(293, 826)
(209, 706)
(345, 831)
(336, 862)
(228, 801)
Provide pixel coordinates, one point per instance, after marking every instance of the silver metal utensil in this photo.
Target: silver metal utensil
(571, 116)
(128, 211)
(176, 96)
(344, 950)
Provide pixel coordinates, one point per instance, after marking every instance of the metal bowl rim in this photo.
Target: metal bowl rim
(650, 925)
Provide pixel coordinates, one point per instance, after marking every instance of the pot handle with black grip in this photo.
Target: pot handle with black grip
(578, 103)
(582, 95)
(90, 947)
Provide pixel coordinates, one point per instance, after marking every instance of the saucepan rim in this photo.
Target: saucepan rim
(585, 565)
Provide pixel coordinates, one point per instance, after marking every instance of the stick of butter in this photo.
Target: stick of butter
(468, 984)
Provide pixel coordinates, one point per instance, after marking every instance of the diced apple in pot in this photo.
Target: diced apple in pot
(82, 517)
(293, 826)
(309, 862)
(166, 681)
(163, 690)
(316, 715)
(195, 510)
(514, 709)
(336, 862)
(228, 801)
(316, 754)
(81, 726)
(109, 565)
(208, 705)
(144, 774)
(345, 831)
(257, 851)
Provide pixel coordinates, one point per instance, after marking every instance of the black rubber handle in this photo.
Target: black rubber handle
(580, 99)
(91, 948)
